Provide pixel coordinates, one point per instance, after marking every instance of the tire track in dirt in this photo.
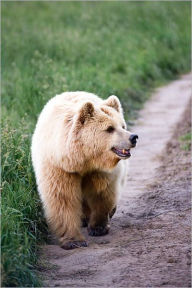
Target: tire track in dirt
(134, 250)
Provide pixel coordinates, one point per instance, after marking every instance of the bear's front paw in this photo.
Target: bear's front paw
(98, 230)
(74, 244)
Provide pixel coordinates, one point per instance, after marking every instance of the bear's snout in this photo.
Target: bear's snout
(133, 139)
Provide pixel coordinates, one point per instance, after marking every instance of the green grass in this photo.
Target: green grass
(22, 222)
(185, 141)
(121, 48)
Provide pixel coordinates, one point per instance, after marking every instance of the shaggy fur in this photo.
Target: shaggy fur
(79, 177)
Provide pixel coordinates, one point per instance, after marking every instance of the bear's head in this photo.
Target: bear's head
(99, 138)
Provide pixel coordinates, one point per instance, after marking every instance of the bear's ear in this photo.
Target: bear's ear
(86, 112)
(113, 102)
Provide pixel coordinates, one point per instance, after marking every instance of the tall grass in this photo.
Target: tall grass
(22, 221)
(121, 48)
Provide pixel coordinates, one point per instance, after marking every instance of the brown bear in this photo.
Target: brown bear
(77, 146)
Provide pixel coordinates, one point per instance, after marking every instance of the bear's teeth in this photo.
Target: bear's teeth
(123, 151)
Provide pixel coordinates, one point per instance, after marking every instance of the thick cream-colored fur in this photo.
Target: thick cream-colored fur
(73, 161)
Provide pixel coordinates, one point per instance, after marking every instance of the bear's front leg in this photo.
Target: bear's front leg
(61, 196)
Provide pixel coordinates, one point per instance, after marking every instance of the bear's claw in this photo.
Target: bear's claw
(112, 212)
(98, 231)
(74, 244)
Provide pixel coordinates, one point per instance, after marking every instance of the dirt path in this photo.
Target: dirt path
(149, 241)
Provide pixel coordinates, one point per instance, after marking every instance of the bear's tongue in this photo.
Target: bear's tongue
(122, 152)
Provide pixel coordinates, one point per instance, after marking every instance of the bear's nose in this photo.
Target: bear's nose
(133, 139)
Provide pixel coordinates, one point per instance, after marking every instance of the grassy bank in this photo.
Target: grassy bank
(106, 48)
(22, 225)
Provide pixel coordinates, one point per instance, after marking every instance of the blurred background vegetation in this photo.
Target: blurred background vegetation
(121, 48)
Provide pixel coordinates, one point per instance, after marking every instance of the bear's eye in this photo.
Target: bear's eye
(110, 129)
(123, 126)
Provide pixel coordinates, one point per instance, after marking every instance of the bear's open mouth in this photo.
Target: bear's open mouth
(123, 153)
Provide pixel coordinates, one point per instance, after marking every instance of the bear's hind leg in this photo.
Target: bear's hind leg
(101, 207)
(61, 196)
(86, 214)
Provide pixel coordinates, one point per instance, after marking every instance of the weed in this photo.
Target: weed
(186, 141)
